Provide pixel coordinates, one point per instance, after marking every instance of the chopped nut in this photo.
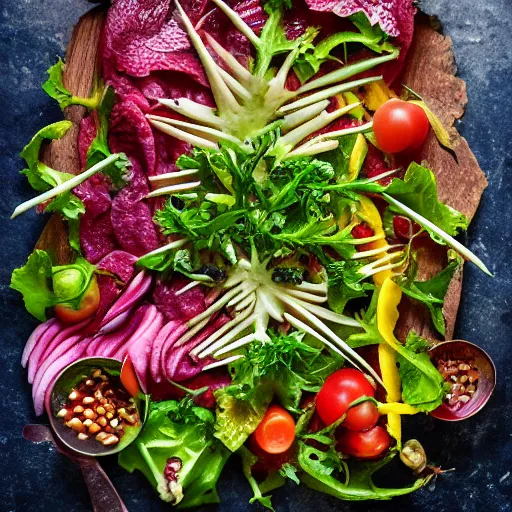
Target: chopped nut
(110, 440)
(98, 395)
(100, 410)
(88, 400)
(87, 423)
(94, 428)
(463, 379)
(114, 423)
(109, 415)
(96, 373)
(109, 407)
(83, 437)
(102, 421)
(464, 398)
(90, 414)
(78, 409)
(76, 425)
(73, 395)
(62, 413)
(470, 389)
(101, 436)
(89, 382)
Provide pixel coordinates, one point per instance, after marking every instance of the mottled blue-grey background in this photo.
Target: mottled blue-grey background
(36, 478)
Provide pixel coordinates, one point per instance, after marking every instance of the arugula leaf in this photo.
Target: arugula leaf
(99, 149)
(432, 292)
(273, 481)
(55, 88)
(178, 434)
(422, 385)
(283, 369)
(289, 471)
(43, 285)
(371, 36)
(321, 469)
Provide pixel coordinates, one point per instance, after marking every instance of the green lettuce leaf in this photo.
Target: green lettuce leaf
(55, 88)
(422, 385)
(182, 433)
(43, 285)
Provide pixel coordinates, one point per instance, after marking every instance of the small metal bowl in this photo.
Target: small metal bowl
(464, 350)
(71, 376)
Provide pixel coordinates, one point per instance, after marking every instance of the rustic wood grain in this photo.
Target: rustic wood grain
(431, 72)
(62, 154)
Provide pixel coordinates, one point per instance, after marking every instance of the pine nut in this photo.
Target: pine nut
(73, 395)
(89, 382)
(102, 421)
(101, 436)
(78, 409)
(95, 374)
(88, 400)
(110, 440)
(100, 410)
(62, 413)
(76, 425)
(83, 437)
(90, 414)
(109, 415)
(87, 423)
(114, 423)
(94, 428)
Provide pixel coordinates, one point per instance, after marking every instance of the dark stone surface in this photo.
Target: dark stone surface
(36, 478)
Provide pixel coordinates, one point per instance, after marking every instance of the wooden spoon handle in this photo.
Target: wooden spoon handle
(104, 497)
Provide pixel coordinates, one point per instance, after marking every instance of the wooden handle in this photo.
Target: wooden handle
(104, 497)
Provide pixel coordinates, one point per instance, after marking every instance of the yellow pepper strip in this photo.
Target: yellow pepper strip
(387, 317)
(441, 133)
(357, 157)
(396, 409)
(377, 93)
(372, 216)
(358, 112)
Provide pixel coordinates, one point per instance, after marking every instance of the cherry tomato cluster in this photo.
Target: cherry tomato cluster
(399, 125)
(359, 435)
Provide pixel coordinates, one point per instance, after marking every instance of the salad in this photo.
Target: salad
(247, 218)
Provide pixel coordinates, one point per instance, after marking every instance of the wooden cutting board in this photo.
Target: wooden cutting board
(430, 72)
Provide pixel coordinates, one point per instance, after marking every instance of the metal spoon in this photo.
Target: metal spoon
(104, 497)
(466, 351)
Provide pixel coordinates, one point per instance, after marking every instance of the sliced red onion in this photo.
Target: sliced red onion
(34, 339)
(140, 348)
(114, 324)
(131, 295)
(113, 342)
(169, 329)
(63, 347)
(53, 370)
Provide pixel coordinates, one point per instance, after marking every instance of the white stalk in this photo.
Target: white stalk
(245, 340)
(361, 241)
(188, 335)
(238, 22)
(327, 93)
(64, 187)
(236, 87)
(279, 80)
(304, 114)
(449, 240)
(375, 252)
(268, 301)
(194, 140)
(301, 326)
(309, 297)
(223, 330)
(383, 175)
(378, 263)
(223, 96)
(312, 150)
(193, 110)
(346, 72)
(341, 133)
(390, 266)
(241, 73)
(293, 137)
(227, 338)
(217, 305)
(210, 133)
(168, 247)
(223, 362)
(187, 287)
(320, 288)
(350, 354)
(250, 299)
(327, 314)
(173, 189)
(240, 297)
(172, 176)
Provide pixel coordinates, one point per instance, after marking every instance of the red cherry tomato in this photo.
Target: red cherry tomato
(339, 391)
(364, 445)
(129, 378)
(276, 432)
(399, 125)
(362, 417)
(88, 306)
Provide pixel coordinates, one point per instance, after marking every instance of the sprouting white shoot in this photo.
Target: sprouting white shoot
(193, 110)
(173, 189)
(200, 142)
(222, 362)
(66, 186)
(315, 149)
(375, 252)
(449, 240)
(304, 114)
(188, 287)
(176, 244)
(172, 177)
